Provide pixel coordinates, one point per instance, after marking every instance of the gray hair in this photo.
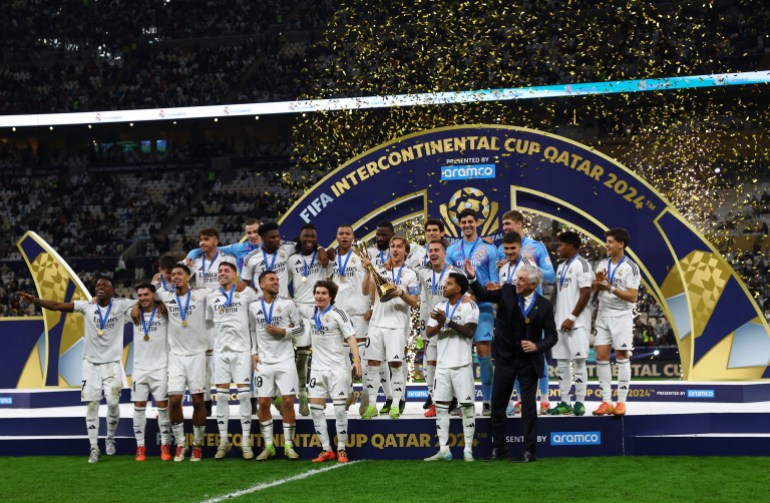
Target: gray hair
(534, 274)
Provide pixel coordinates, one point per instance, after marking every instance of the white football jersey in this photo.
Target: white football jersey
(395, 312)
(229, 311)
(508, 271)
(418, 257)
(349, 273)
(304, 271)
(281, 313)
(204, 271)
(188, 336)
(570, 278)
(258, 261)
(151, 342)
(110, 320)
(454, 349)
(432, 285)
(329, 333)
(624, 276)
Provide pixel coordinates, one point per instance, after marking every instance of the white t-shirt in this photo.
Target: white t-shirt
(193, 338)
(205, 271)
(428, 277)
(231, 319)
(418, 257)
(350, 297)
(303, 272)
(625, 276)
(329, 351)
(282, 313)
(570, 278)
(508, 271)
(395, 312)
(107, 347)
(378, 256)
(454, 349)
(151, 342)
(258, 261)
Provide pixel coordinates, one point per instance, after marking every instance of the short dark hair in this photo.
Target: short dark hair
(182, 267)
(145, 286)
(107, 278)
(331, 286)
(307, 226)
(512, 237)
(468, 212)
(167, 262)
(230, 265)
(252, 221)
(434, 221)
(210, 232)
(461, 281)
(514, 215)
(267, 227)
(439, 241)
(263, 274)
(570, 238)
(619, 234)
(387, 224)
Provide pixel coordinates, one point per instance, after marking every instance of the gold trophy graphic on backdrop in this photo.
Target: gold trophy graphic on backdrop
(385, 289)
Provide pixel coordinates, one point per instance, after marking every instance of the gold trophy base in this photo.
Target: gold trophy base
(386, 292)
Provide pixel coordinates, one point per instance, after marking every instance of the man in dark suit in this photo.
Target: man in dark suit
(524, 330)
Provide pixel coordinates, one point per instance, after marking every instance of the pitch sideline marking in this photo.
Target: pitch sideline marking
(268, 485)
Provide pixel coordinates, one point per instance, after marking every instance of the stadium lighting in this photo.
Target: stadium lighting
(394, 100)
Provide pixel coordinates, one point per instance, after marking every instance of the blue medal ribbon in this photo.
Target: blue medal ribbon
(434, 286)
(268, 316)
(272, 264)
(343, 267)
(146, 326)
(103, 319)
(610, 272)
(228, 298)
(203, 262)
(510, 273)
(563, 274)
(396, 280)
(526, 311)
(165, 285)
(183, 312)
(448, 314)
(473, 249)
(383, 257)
(305, 268)
(317, 316)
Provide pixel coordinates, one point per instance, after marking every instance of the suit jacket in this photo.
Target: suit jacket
(511, 329)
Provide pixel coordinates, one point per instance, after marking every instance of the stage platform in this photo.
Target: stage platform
(735, 420)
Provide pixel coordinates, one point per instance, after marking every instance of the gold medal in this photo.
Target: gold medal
(527, 320)
(146, 337)
(342, 278)
(184, 323)
(100, 332)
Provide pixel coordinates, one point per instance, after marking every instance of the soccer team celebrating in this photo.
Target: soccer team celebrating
(252, 314)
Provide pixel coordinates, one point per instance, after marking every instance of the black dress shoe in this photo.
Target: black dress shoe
(498, 454)
(527, 457)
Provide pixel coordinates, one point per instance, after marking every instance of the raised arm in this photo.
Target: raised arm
(52, 305)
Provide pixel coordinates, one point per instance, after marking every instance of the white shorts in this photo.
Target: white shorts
(453, 382)
(98, 377)
(361, 326)
(231, 367)
(332, 384)
(187, 372)
(615, 331)
(149, 382)
(277, 379)
(572, 344)
(431, 349)
(386, 344)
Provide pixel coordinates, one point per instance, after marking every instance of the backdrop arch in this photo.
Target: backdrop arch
(721, 332)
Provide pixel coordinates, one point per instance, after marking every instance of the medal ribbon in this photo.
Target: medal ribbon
(397, 280)
(473, 249)
(103, 319)
(183, 312)
(317, 316)
(525, 312)
(448, 314)
(563, 274)
(343, 267)
(228, 298)
(272, 264)
(305, 268)
(434, 286)
(203, 262)
(146, 326)
(511, 274)
(268, 316)
(610, 272)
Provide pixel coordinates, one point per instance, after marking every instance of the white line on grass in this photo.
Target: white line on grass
(268, 485)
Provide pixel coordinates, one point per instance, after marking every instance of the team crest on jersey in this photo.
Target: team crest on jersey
(278, 310)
